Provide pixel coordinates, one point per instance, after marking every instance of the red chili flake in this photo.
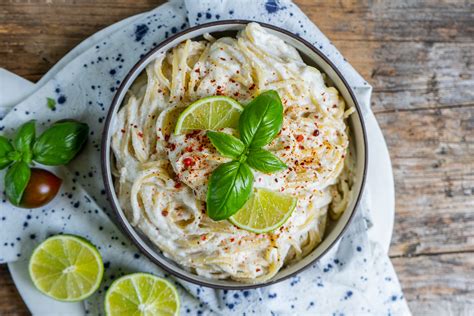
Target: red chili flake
(188, 161)
(301, 147)
(189, 149)
(252, 87)
(167, 137)
(213, 80)
(232, 239)
(172, 147)
(287, 147)
(258, 270)
(334, 106)
(232, 80)
(197, 70)
(236, 94)
(203, 237)
(164, 213)
(122, 130)
(219, 87)
(299, 138)
(177, 185)
(316, 132)
(140, 134)
(201, 148)
(136, 126)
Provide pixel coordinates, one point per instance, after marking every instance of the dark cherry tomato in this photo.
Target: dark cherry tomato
(41, 189)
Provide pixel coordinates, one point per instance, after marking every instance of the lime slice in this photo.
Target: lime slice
(66, 268)
(211, 113)
(265, 211)
(141, 294)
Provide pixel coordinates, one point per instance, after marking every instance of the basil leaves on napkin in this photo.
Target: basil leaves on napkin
(58, 145)
(230, 184)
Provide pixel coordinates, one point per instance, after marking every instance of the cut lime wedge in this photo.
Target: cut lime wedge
(211, 113)
(265, 211)
(66, 268)
(141, 294)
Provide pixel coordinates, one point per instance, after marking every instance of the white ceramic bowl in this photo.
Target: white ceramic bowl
(311, 56)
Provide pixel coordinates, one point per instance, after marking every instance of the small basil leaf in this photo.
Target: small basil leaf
(264, 161)
(16, 180)
(51, 103)
(5, 149)
(25, 137)
(227, 145)
(229, 188)
(60, 143)
(261, 119)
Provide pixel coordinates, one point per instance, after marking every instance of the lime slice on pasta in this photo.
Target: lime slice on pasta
(210, 113)
(265, 211)
(66, 268)
(141, 294)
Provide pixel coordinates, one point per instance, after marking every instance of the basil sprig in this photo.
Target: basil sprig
(56, 146)
(230, 184)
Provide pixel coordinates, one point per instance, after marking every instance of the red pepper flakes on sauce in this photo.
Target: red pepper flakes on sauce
(203, 237)
(140, 134)
(164, 213)
(177, 185)
(188, 161)
(316, 132)
(299, 138)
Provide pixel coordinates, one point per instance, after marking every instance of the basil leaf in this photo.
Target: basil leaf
(264, 161)
(16, 180)
(5, 149)
(229, 188)
(227, 145)
(60, 143)
(261, 119)
(51, 103)
(24, 139)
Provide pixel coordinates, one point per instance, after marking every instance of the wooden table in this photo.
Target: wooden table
(418, 55)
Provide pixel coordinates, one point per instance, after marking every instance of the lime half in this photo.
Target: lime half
(265, 211)
(211, 113)
(141, 294)
(66, 268)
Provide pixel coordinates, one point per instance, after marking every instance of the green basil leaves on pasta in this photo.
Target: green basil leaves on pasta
(230, 186)
(264, 161)
(227, 145)
(60, 143)
(16, 180)
(261, 120)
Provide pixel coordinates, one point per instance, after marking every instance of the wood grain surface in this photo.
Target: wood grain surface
(418, 55)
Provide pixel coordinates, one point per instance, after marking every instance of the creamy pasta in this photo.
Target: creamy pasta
(161, 178)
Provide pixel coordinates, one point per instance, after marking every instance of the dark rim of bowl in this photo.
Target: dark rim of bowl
(106, 160)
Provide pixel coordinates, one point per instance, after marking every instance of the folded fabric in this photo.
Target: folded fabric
(355, 277)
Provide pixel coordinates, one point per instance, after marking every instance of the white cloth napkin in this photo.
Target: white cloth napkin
(355, 277)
